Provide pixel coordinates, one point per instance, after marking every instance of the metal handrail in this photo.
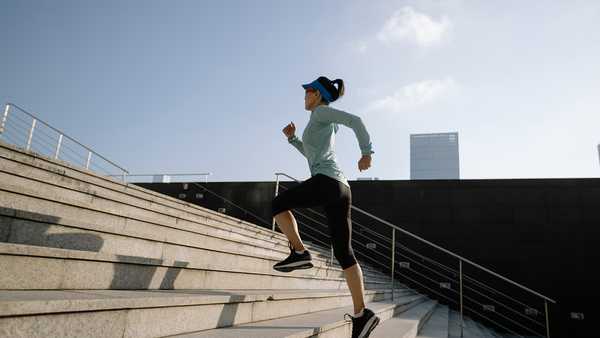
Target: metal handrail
(483, 285)
(455, 273)
(474, 290)
(443, 249)
(315, 221)
(170, 175)
(9, 104)
(461, 259)
(320, 223)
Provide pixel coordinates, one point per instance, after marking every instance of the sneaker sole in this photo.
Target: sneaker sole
(292, 268)
(369, 327)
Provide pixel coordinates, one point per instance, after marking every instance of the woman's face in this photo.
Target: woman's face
(312, 97)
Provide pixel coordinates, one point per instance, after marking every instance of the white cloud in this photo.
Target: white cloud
(415, 95)
(410, 25)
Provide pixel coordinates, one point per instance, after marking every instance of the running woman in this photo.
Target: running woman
(327, 187)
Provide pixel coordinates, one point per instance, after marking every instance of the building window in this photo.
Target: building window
(182, 196)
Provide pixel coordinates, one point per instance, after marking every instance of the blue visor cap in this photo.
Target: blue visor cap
(318, 86)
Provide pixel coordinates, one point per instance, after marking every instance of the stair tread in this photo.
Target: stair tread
(405, 322)
(19, 302)
(304, 325)
(468, 332)
(319, 256)
(49, 252)
(437, 325)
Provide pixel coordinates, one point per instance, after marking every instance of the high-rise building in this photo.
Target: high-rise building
(161, 179)
(434, 156)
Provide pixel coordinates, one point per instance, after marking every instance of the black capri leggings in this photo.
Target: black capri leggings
(336, 198)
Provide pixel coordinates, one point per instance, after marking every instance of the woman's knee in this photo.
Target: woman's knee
(277, 206)
(345, 256)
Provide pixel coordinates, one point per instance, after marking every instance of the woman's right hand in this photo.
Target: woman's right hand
(289, 130)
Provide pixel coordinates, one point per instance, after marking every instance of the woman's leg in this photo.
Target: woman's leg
(340, 228)
(307, 194)
(354, 278)
(287, 223)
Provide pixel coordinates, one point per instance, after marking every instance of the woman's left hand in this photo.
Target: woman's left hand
(364, 163)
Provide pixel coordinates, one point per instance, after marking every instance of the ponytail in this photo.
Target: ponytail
(333, 93)
(340, 87)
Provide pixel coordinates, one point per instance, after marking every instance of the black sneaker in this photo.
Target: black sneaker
(294, 261)
(363, 325)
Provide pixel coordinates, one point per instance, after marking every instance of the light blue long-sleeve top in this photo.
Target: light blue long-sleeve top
(318, 140)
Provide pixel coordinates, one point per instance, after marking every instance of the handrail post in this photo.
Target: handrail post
(393, 258)
(124, 177)
(58, 146)
(547, 319)
(276, 192)
(89, 158)
(30, 134)
(331, 256)
(462, 322)
(3, 124)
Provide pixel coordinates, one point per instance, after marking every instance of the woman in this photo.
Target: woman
(329, 188)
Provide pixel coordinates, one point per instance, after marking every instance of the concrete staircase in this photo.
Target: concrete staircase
(83, 255)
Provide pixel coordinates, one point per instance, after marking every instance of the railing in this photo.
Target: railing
(23, 129)
(418, 269)
(472, 297)
(129, 176)
(418, 265)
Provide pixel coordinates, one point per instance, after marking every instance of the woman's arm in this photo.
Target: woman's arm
(295, 141)
(332, 115)
(290, 132)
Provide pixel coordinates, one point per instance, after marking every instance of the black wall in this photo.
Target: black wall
(542, 233)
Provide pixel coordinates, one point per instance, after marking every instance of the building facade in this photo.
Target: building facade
(434, 156)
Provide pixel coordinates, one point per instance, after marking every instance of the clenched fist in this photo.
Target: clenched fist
(289, 130)
(364, 163)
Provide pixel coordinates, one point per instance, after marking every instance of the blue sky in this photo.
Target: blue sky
(197, 86)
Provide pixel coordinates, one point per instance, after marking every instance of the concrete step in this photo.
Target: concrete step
(87, 313)
(453, 324)
(479, 330)
(83, 185)
(33, 227)
(23, 228)
(33, 267)
(406, 324)
(437, 325)
(98, 204)
(41, 168)
(33, 201)
(63, 175)
(136, 200)
(329, 323)
(36, 302)
(471, 328)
